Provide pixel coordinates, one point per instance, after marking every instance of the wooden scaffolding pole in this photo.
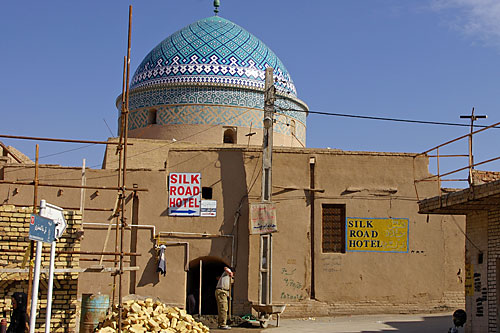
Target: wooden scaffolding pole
(124, 173)
(32, 243)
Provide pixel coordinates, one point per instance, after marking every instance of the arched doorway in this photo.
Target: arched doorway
(211, 270)
(230, 135)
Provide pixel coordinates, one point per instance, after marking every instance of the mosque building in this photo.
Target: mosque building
(347, 236)
(204, 83)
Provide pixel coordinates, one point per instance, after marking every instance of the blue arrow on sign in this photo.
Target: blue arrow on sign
(189, 211)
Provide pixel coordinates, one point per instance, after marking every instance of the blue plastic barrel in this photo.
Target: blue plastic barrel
(94, 308)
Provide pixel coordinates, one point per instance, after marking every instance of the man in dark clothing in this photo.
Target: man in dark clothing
(19, 318)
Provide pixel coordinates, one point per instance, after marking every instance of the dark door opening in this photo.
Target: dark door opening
(211, 270)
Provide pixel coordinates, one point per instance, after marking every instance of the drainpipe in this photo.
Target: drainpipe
(140, 226)
(173, 233)
(312, 163)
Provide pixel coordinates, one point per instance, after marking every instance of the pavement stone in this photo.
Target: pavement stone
(407, 323)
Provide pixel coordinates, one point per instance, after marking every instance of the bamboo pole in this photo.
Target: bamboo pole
(82, 190)
(124, 173)
(32, 243)
(119, 184)
(92, 253)
(58, 140)
(105, 188)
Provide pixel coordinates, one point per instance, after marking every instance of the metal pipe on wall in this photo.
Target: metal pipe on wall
(204, 235)
(199, 293)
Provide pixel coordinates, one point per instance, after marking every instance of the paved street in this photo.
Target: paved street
(430, 323)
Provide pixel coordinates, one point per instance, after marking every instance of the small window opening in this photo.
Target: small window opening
(292, 127)
(230, 135)
(152, 117)
(206, 193)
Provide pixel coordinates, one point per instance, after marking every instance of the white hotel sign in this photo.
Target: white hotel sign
(184, 194)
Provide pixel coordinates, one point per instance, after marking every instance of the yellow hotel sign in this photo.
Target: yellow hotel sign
(377, 234)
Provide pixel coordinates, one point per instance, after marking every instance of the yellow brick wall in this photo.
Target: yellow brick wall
(14, 230)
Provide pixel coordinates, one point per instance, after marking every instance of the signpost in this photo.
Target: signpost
(45, 228)
(56, 214)
(184, 194)
(41, 230)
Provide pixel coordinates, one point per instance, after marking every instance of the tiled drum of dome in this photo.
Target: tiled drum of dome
(212, 50)
(215, 115)
(211, 95)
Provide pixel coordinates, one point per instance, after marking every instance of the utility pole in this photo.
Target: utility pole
(472, 118)
(267, 142)
(266, 240)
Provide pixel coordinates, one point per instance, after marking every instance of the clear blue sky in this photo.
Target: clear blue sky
(427, 60)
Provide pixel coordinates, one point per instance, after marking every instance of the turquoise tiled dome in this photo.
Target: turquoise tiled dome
(213, 51)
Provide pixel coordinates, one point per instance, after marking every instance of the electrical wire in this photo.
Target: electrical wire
(148, 151)
(294, 110)
(381, 118)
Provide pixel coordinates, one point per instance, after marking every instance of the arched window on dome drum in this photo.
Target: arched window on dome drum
(229, 135)
(292, 127)
(151, 116)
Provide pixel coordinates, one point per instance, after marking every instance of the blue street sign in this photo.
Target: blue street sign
(42, 229)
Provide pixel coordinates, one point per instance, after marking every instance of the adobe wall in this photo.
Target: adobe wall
(214, 134)
(427, 278)
(14, 231)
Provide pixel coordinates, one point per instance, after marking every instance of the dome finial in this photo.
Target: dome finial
(216, 5)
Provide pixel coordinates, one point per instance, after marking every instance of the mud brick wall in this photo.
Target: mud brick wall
(14, 230)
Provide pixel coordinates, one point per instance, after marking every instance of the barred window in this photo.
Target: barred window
(333, 228)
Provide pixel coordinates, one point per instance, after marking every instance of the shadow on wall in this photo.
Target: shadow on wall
(234, 193)
(150, 267)
(234, 190)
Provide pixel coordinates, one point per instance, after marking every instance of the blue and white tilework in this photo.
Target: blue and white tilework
(197, 94)
(215, 115)
(212, 72)
(212, 50)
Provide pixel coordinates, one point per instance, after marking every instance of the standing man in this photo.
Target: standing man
(222, 296)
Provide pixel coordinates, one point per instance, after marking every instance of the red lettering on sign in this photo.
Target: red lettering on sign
(173, 178)
(178, 202)
(172, 190)
(181, 190)
(196, 190)
(194, 179)
(171, 202)
(188, 191)
(32, 220)
(184, 179)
